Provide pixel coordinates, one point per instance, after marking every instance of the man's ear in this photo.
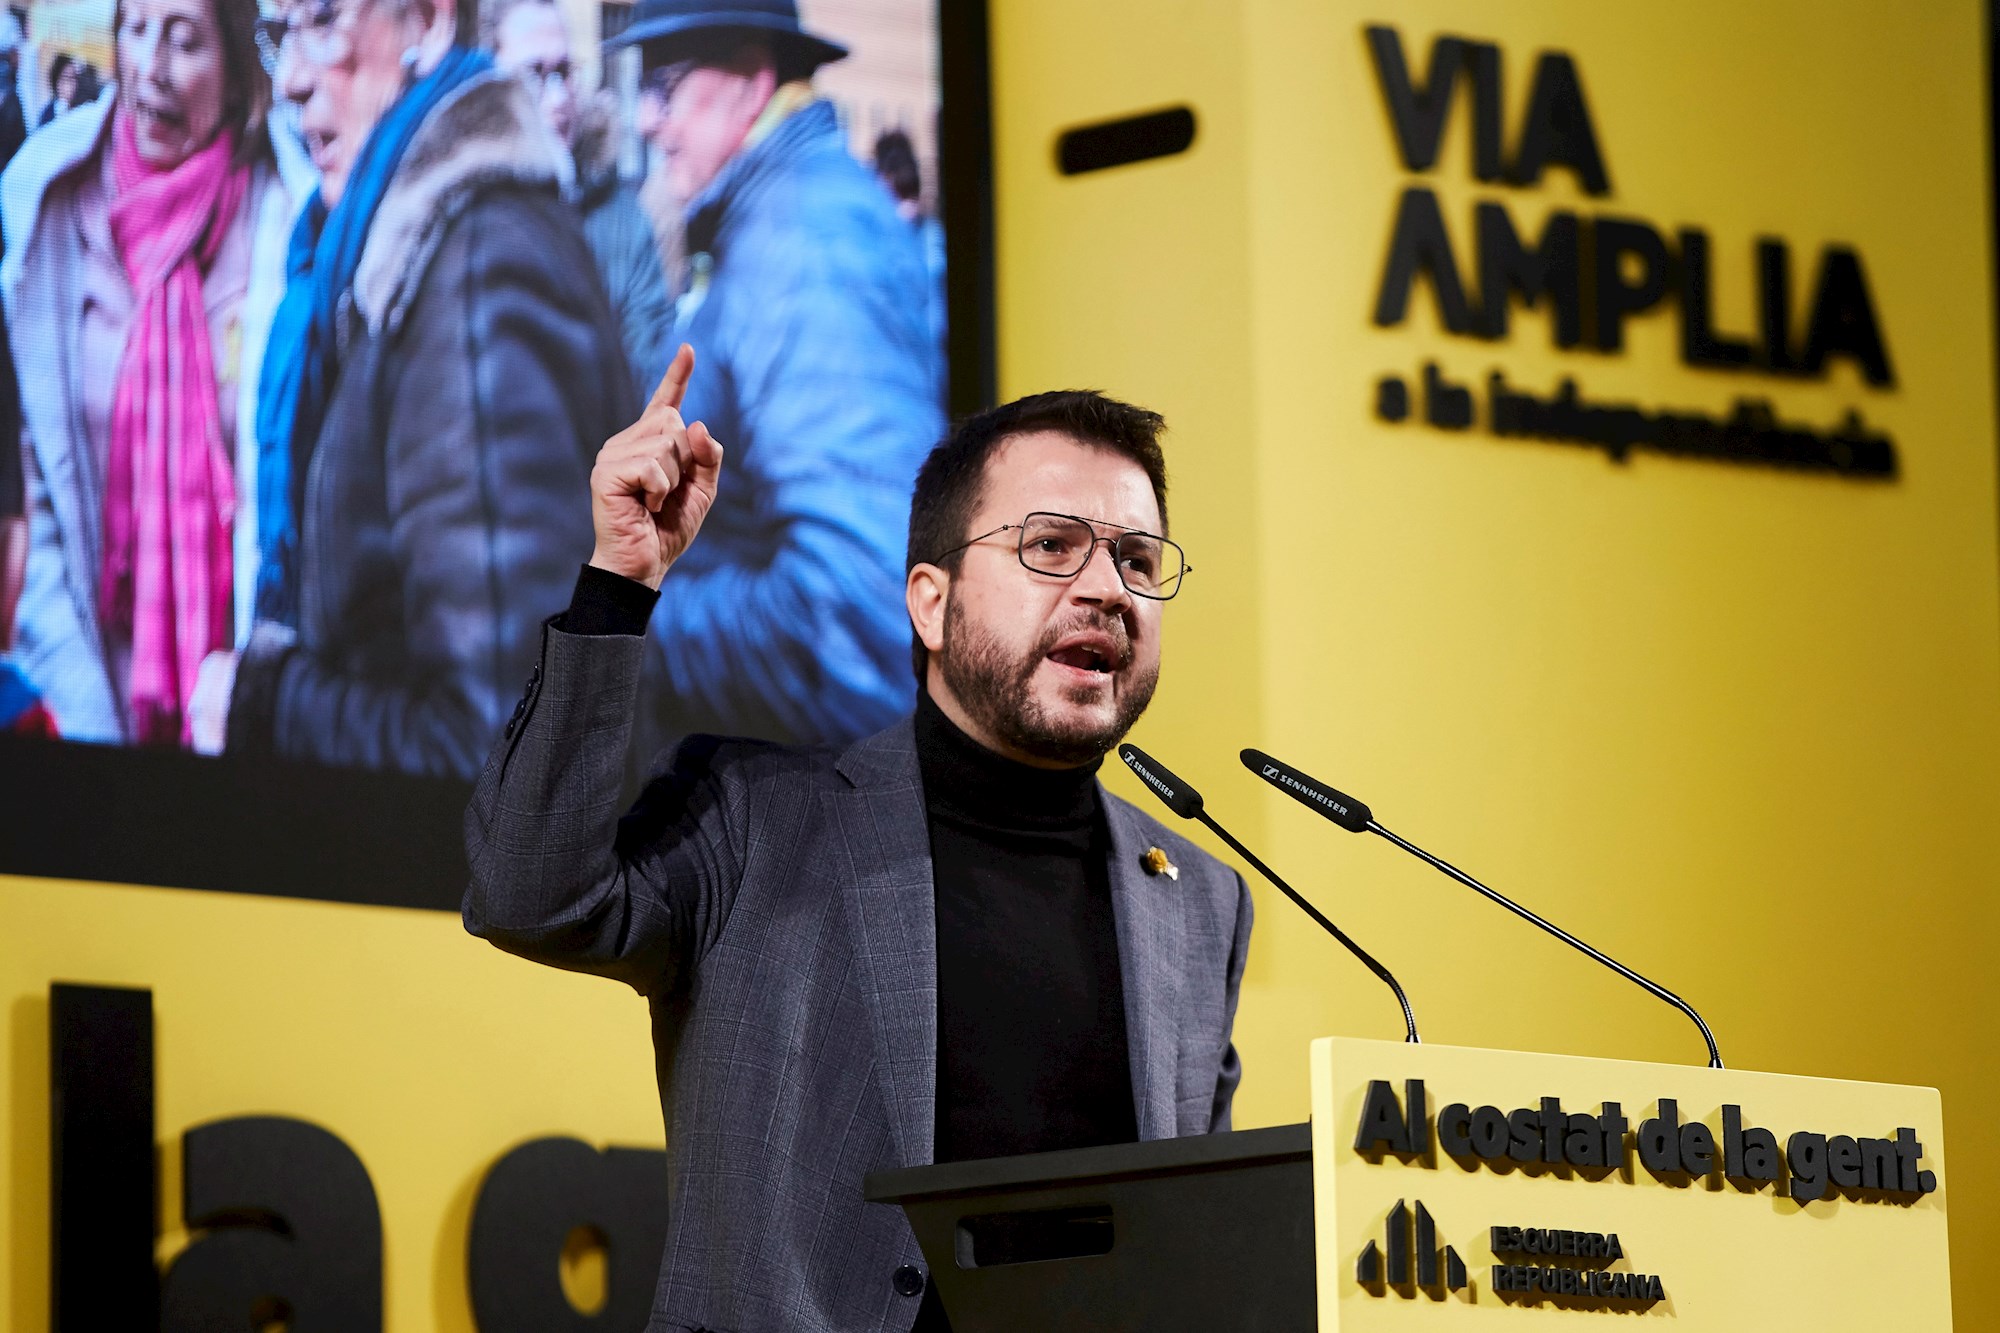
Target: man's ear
(756, 71)
(758, 90)
(926, 592)
(437, 34)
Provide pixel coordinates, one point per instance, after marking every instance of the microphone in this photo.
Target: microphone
(1185, 801)
(1355, 817)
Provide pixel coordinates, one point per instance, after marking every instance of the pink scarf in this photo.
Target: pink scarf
(170, 488)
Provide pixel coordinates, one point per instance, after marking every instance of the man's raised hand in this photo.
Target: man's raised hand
(653, 484)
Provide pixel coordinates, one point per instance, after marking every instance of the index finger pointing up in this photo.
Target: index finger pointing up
(673, 385)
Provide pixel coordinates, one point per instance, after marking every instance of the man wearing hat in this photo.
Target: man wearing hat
(807, 296)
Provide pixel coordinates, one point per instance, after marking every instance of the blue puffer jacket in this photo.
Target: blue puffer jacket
(817, 371)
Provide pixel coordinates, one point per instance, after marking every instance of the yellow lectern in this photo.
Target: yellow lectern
(1474, 1189)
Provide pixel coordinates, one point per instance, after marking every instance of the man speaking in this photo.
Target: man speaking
(947, 941)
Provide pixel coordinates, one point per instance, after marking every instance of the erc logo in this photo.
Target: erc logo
(1531, 1263)
(1436, 1270)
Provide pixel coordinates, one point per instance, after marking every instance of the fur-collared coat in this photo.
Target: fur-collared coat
(446, 502)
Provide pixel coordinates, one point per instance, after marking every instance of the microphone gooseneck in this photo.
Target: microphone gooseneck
(1185, 801)
(1355, 817)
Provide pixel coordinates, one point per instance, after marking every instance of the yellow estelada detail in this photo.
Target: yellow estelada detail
(1156, 863)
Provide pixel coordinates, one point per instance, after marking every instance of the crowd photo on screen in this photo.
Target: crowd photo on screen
(317, 312)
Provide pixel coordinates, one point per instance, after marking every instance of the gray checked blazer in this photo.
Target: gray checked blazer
(774, 904)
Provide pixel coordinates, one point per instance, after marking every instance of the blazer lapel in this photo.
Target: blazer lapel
(1149, 956)
(891, 900)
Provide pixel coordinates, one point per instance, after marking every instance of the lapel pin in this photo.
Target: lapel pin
(1156, 863)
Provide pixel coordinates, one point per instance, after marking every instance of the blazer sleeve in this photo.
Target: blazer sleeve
(1230, 1071)
(557, 875)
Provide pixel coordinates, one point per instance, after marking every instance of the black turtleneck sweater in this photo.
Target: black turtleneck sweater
(1031, 1013)
(1031, 1006)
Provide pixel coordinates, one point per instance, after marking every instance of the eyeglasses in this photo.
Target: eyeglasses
(321, 28)
(661, 80)
(541, 76)
(1062, 544)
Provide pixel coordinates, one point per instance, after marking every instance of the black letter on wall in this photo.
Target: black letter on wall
(1483, 64)
(1420, 245)
(1843, 320)
(1701, 345)
(1417, 113)
(1558, 128)
(1774, 303)
(101, 1177)
(532, 1200)
(1615, 298)
(1551, 269)
(292, 1232)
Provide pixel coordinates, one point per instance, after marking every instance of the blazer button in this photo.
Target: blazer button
(909, 1280)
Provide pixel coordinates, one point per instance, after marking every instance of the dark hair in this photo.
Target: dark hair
(246, 94)
(58, 64)
(953, 477)
(896, 163)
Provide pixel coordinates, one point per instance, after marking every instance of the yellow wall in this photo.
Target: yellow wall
(1741, 727)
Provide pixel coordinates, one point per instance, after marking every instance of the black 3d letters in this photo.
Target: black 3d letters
(293, 1233)
(1593, 273)
(532, 1200)
(1673, 1144)
(101, 1179)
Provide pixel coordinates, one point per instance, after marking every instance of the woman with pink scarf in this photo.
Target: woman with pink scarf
(145, 241)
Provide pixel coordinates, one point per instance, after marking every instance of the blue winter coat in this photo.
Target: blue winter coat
(817, 370)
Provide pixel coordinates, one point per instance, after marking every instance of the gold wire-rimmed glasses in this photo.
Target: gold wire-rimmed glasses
(1061, 545)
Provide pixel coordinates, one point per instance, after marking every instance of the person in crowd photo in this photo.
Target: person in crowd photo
(530, 39)
(13, 497)
(13, 112)
(897, 168)
(941, 943)
(145, 239)
(89, 84)
(21, 710)
(804, 294)
(655, 189)
(443, 368)
(63, 73)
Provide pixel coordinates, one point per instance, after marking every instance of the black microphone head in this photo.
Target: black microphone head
(1182, 799)
(1338, 806)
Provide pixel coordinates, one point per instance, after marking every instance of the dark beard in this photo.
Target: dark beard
(994, 690)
